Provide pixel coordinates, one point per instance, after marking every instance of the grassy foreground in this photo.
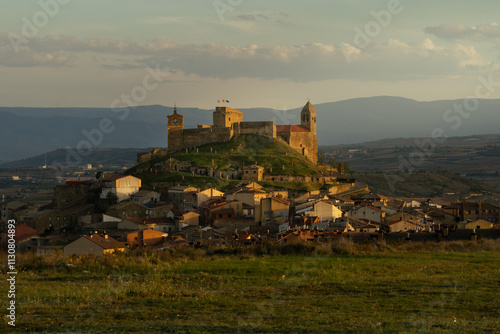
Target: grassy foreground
(451, 287)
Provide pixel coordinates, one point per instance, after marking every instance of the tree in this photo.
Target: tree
(322, 158)
(111, 197)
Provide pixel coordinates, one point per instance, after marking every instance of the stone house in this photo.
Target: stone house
(474, 211)
(401, 226)
(145, 197)
(179, 195)
(144, 238)
(271, 208)
(253, 173)
(125, 210)
(94, 245)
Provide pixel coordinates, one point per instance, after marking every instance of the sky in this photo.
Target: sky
(254, 53)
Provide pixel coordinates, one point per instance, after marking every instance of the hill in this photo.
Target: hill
(267, 152)
(26, 132)
(424, 184)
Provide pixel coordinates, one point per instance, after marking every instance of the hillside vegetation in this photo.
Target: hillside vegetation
(276, 157)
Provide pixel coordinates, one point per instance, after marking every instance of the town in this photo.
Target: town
(274, 201)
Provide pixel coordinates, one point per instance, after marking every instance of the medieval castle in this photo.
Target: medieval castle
(228, 123)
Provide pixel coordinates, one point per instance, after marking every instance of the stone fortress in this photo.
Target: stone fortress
(228, 123)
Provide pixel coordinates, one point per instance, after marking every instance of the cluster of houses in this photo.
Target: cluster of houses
(114, 213)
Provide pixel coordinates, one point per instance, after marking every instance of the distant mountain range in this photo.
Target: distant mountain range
(26, 132)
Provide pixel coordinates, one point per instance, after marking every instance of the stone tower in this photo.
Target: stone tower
(308, 118)
(308, 121)
(175, 127)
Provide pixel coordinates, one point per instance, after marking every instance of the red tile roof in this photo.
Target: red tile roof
(290, 128)
(281, 200)
(23, 232)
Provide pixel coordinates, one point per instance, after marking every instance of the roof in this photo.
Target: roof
(223, 211)
(369, 206)
(252, 185)
(180, 188)
(290, 128)
(142, 193)
(251, 191)
(309, 107)
(105, 242)
(39, 213)
(124, 204)
(113, 177)
(23, 232)
(14, 205)
(79, 209)
(281, 200)
(400, 221)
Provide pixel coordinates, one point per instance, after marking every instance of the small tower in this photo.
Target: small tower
(308, 117)
(175, 127)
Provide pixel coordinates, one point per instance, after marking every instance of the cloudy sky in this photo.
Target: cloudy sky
(255, 53)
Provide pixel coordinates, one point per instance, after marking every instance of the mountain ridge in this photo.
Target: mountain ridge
(341, 122)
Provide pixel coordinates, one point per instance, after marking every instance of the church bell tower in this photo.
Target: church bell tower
(175, 127)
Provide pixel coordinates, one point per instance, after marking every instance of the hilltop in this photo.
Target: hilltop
(275, 156)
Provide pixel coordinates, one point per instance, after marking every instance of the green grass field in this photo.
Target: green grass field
(298, 289)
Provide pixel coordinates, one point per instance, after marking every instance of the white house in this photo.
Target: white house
(325, 211)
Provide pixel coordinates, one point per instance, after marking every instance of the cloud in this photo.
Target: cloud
(160, 20)
(483, 32)
(392, 60)
(263, 16)
(246, 17)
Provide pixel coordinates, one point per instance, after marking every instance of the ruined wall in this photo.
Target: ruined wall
(143, 157)
(258, 128)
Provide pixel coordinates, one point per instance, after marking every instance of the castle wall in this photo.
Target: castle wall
(198, 137)
(258, 128)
